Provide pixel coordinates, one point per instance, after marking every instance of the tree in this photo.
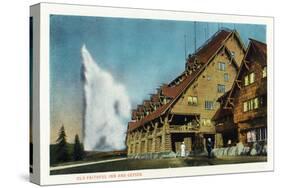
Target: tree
(78, 151)
(62, 154)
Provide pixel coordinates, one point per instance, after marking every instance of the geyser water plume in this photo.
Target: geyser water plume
(106, 108)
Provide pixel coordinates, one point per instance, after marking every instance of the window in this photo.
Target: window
(208, 77)
(249, 79)
(259, 134)
(205, 122)
(209, 105)
(246, 80)
(264, 72)
(221, 88)
(251, 136)
(221, 66)
(191, 100)
(252, 78)
(251, 104)
(226, 77)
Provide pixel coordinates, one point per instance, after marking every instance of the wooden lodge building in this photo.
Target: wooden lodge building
(181, 111)
(243, 113)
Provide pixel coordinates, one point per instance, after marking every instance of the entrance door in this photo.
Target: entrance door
(178, 138)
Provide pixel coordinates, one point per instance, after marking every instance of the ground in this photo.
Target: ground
(124, 164)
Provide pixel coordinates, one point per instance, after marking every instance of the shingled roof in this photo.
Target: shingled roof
(174, 89)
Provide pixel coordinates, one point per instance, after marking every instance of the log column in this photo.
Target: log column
(129, 143)
(134, 143)
(146, 139)
(166, 137)
(155, 126)
(138, 142)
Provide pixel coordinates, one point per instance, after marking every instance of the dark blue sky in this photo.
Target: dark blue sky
(140, 53)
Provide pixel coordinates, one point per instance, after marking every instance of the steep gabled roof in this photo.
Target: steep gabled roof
(174, 90)
(204, 53)
(257, 50)
(221, 113)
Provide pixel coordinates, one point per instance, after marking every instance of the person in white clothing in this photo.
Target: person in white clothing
(182, 149)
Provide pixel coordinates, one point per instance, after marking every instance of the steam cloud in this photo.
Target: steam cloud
(106, 108)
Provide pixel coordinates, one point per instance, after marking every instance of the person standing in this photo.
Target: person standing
(229, 143)
(209, 147)
(182, 149)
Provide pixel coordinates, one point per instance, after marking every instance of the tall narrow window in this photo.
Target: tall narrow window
(252, 78)
(226, 77)
(221, 88)
(245, 107)
(221, 66)
(264, 72)
(256, 103)
(209, 105)
(246, 80)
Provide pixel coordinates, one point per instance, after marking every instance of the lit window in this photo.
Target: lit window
(252, 78)
(246, 80)
(259, 134)
(251, 104)
(221, 88)
(256, 103)
(264, 72)
(245, 107)
(191, 100)
(249, 79)
(251, 136)
(221, 66)
(209, 105)
(226, 77)
(205, 122)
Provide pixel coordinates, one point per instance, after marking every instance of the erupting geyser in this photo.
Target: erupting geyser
(106, 108)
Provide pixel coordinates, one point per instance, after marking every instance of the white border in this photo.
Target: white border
(81, 10)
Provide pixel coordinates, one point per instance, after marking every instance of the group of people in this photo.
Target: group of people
(209, 148)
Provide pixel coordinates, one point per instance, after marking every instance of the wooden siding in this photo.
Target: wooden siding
(256, 89)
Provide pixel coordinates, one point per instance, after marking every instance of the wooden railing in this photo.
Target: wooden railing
(184, 128)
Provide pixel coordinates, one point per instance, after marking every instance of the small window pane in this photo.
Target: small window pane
(246, 80)
(221, 88)
(226, 77)
(245, 107)
(195, 100)
(252, 78)
(256, 103)
(221, 66)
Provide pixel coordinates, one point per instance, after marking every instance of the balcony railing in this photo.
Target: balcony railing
(185, 128)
